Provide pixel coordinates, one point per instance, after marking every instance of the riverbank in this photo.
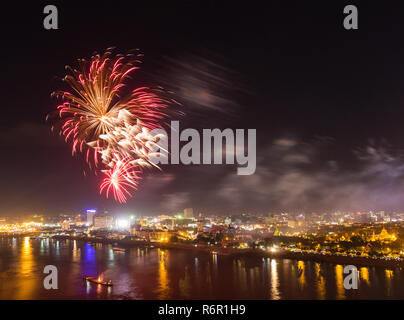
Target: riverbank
(343, 260)
(162, 245)
(220, 251)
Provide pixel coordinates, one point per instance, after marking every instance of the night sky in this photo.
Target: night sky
(327, 103)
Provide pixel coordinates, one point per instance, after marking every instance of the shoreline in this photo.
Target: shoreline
(220, 251)
(358, 261)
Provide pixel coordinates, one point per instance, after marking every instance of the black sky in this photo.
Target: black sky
(327, 103)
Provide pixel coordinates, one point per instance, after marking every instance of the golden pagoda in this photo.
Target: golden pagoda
(385, 236)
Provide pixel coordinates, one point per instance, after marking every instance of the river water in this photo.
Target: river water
(152, 273)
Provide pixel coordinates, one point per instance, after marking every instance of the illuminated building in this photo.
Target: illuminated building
(65, 225)
(383, 236)
(122, 224)
(90, 216)
(143, 222)
(200, 226)
(151, 235)
(102, 222)
(135, 229)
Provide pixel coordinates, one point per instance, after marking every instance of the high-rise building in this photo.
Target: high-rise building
(188, 213)
(103, 222)
(90, 216)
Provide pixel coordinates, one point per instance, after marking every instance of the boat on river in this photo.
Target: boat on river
(98, 281)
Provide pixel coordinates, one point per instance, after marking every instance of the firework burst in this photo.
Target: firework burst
(120, 179)
(110, 127)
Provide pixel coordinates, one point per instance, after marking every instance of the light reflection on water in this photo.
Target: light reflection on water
(320, 282)
(145, 273)
(25, 283)
(163, 288)
(274, 281)
(339, 276)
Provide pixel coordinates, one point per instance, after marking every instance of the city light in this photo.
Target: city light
(122, 224)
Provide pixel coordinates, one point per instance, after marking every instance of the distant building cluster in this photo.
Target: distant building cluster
(359, 233)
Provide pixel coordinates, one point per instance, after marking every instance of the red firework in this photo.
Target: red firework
(120, 179)
(97, 108)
